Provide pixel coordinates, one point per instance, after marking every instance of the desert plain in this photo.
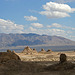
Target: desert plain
(44, 62)
(52, 56)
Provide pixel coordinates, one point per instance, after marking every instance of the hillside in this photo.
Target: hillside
(32, 39)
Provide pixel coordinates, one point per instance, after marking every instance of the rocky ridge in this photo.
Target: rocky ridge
(7, 40)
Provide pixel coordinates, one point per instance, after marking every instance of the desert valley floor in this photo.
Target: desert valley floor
(37, 63)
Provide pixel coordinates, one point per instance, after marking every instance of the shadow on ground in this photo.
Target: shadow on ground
(16, 67)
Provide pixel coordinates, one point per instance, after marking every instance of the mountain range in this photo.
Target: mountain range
(9, 40)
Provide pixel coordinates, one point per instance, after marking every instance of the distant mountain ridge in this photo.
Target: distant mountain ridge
(32, 39)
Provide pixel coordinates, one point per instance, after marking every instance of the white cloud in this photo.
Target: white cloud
(32, 29)
(56, 10)
(73, 28)
(63, 1)
(57, 31)
(72, 36)
(52, 31)
(33, 11)
(54, 14)
(52, 6)
(55, 25)
(38, 25)
(7, 26)
(30, 18)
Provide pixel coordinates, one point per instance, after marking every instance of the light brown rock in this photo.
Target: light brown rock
(5, 56)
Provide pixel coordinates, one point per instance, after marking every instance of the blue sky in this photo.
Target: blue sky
(51, 17)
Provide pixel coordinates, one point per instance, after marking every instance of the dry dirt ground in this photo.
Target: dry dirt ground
(39, 63)
(33, 68)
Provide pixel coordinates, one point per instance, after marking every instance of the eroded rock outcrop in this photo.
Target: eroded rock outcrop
(27, 50)
(42, 51)
(63, 58)
(8, 50)
(5, 56)
(49, 50)
(13, 51)
(34, 51)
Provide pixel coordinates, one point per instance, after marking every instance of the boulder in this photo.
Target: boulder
(13, 51)
(8, 50)
(5, 56)
(63, 58)
(42, 50)
(49, 50)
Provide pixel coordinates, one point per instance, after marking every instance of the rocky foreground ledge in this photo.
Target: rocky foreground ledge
(14, 64)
